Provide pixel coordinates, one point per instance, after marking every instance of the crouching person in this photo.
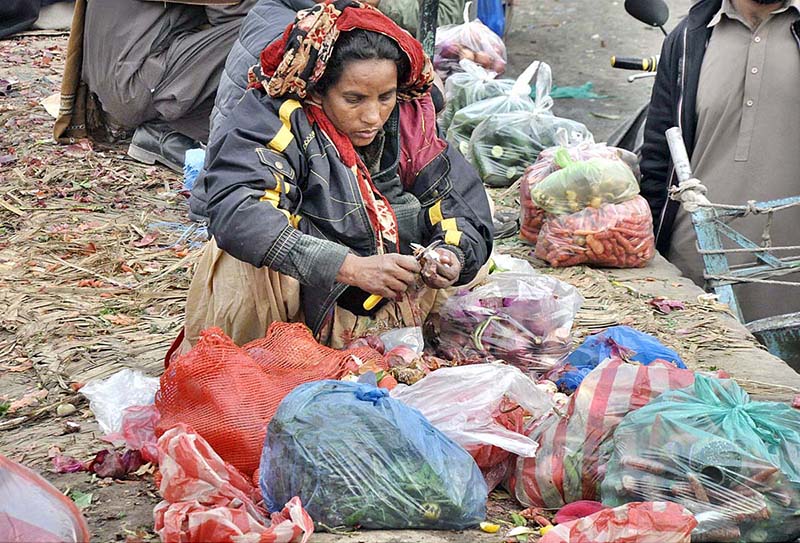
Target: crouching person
(321, 178)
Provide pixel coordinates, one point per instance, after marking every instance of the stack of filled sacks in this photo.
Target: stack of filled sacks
(586, 199)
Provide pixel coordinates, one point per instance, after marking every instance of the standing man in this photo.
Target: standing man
(729, 76)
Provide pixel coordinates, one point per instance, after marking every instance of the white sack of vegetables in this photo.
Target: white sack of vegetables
(503, 145)
(358, 458)
(522, 319)
(472, 85)
(517, 98)
(473, 41)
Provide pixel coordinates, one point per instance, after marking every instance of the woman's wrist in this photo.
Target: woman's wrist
(346, 273)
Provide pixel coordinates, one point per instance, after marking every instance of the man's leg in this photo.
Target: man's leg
(184, 98)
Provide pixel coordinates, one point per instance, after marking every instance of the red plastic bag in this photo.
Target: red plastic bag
(206, 500)
(575, 446)
(138, 431)
(34, 511)
(639, 522)
(612, 235)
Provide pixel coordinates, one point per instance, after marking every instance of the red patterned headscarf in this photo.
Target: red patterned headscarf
(296, 61)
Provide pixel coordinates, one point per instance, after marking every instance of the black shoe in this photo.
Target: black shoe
(155, 141)
(506, 224)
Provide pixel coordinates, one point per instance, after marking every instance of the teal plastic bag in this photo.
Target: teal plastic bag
(358, 458)
(731, 461)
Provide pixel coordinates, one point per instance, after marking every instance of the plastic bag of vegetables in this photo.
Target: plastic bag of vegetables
(516, 99)
(584, 183)
(503, 145)
(472, 85)
(613, 235)
(358, 458)
(576, 442)
(522, 319)
(481, 407)
(729, 460)
(473, 41)
(532, 215)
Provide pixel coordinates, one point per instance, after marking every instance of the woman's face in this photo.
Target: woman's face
(361, 101)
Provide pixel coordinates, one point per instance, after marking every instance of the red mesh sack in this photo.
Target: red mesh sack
(289, 353)
(228, 394)
(223, 394)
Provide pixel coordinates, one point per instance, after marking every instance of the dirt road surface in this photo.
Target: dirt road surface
(86, 288)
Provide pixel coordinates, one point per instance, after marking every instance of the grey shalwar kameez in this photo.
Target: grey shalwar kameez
(150, 60)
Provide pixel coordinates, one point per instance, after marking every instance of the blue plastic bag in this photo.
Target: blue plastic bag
(631, 345)
(356, 457)
(492, 14)
(193, 163)
(731, 461)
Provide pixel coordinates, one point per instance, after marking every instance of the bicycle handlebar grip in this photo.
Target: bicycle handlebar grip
(646, 64)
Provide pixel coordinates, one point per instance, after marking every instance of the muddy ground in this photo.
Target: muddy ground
(39, 180)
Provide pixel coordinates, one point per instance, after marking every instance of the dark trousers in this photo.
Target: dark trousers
(158, 61)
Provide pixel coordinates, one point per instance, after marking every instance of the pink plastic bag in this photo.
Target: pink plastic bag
(640, 522)
(34, 511)
(138, 431)
(207, 500)
(574, 446)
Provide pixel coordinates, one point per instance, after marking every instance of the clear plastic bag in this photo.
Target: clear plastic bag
(646, 522)
(473, 41)
(471, 85)
(575, 443)
(108, 398)
(410, 337)
(31, 509)
(503, 145)
(731, 461)
(532, 215)
(522, 319)
(481, 408)
(613, 235)
(587, 183)
(357, 457)
(517, 98)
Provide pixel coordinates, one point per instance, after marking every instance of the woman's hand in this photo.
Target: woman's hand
(441, 272)
(388, 275)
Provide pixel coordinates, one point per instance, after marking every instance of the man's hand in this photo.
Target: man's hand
(388, 275)
(441, 272)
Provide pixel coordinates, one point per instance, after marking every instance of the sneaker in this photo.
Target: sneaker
(506, 223)
(155, 141)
